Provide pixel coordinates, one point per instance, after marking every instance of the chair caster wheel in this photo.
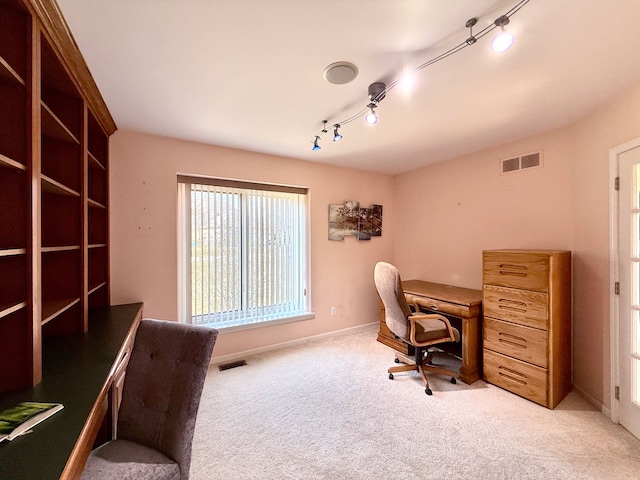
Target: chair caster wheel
(397, 360)
(428, 391)
(391, 376)
(453, 380)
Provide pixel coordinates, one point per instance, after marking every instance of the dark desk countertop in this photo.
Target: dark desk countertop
(75, 368)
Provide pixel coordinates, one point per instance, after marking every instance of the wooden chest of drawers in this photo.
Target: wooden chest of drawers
(527, 323)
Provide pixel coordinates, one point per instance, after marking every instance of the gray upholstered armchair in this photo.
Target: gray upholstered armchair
(420, 330)
(160, 400)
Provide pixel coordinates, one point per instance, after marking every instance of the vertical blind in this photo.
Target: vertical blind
(247, 252)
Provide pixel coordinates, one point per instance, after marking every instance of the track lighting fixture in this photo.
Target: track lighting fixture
(371, 117)
(470, 23)
(503, 41)
(336, 135)
(378, 90)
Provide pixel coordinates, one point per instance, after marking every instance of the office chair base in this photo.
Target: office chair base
(422, 369)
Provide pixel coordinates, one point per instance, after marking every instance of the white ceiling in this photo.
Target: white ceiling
(249, 73)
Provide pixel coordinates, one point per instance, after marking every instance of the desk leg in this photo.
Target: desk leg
(471, 350)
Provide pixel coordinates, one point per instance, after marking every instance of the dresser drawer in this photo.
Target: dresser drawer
(524, 343)
(515, 269)
(518, 377)
(518, 306)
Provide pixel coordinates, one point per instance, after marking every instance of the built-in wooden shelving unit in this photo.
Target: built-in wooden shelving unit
(54, 161)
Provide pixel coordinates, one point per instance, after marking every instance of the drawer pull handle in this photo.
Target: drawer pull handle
(512, 340)
(434, 307)
(512, 375)
(513, 270)
(512, 305)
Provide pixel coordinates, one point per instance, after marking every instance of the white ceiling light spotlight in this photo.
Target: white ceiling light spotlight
(371, 117)
(503, 41)
(377, 92)
(344, 72)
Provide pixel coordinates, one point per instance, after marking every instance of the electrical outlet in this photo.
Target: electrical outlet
(333, 310)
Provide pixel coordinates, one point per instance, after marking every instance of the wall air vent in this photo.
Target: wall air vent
(228, 366)
(522, 162)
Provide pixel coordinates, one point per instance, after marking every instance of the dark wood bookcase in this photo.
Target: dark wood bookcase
(54, 172)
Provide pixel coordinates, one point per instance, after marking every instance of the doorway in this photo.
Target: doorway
(626, 337)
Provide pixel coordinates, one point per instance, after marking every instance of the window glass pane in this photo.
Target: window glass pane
(636, 186)
(635, 380)
(635, 329)
(635, 230)
(215, 252)
(248, 254)
(635, 284)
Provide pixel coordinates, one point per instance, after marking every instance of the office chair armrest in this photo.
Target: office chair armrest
(413, 304)
(418, 317)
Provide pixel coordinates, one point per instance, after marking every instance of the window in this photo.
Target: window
(244, 252)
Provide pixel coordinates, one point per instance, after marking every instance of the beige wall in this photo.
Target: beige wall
(144, 240)
(437, 221)
(449, 212)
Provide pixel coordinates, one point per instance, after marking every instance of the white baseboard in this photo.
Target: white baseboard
(299, 341)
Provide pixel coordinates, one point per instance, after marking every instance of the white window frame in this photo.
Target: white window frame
(185, 260)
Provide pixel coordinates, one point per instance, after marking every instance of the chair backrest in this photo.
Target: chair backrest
(396, 308)
(163, 386)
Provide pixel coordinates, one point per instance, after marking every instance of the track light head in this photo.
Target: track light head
(336, 135)
(315, 144)
(371, 117)
(503, 41)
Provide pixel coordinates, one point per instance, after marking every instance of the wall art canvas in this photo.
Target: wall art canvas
(336, 225)
(364, 224)
(349, 219)
(376, 220)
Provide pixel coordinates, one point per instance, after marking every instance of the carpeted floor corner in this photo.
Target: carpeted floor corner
(327, 410)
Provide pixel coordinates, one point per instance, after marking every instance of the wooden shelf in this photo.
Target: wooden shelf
(53, 308)
(6, 311)
(49, 185)
(9, 75)
(8, 162)
(10, 252)
(53, 127)
(97, 287)
(94, 162)
(67, 248)
(94, 204)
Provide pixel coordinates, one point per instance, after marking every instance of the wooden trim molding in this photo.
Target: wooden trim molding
(60, 35)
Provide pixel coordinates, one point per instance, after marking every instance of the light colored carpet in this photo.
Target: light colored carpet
(326, 410)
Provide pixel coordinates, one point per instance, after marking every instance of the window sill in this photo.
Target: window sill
(265, 323)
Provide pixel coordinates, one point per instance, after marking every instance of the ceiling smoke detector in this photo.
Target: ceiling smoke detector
(340, 73)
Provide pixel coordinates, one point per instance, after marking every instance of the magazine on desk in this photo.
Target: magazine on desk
(18, 420)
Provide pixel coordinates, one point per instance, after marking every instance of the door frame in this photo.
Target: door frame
(614, 272)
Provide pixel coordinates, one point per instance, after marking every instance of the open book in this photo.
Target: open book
(18, 420)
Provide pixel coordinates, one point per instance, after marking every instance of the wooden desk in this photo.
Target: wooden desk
(462, 306)
(78, 372)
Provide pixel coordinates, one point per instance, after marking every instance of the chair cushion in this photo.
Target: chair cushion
(432, 329)
(125, 460)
